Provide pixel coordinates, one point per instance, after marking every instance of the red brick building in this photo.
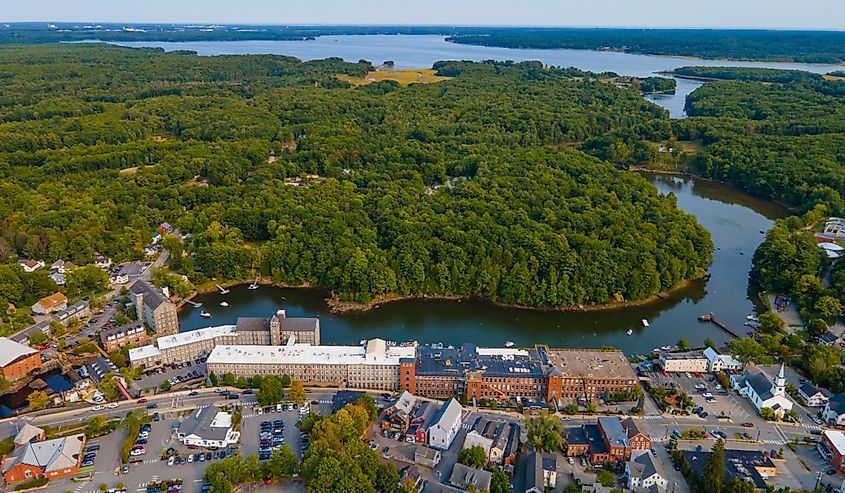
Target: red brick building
(640, 440)
(50, 459)
(16, 360)
(832, 448)
(117, 337)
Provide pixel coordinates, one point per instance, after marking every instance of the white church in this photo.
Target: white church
(762, 392)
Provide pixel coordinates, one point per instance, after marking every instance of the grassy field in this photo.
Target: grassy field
(403, 77)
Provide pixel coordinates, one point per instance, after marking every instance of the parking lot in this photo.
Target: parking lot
(280, 430)
(191, 373)
(707, 393)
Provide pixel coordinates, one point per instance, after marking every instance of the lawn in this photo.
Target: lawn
(404, 77)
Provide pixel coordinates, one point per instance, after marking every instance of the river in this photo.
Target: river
(733, 218)
(423, 51)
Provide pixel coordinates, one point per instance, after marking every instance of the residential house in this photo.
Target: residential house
(639, 438)
(49, 304)
(644, 472)
(80, 310)
(102, 262)
(154, 309)
(541, 472)
(747, 465)
(465, 477)
(207, 428)
(398, 416)
(29, 434)
(17, 360)
(411, 475)
(721, 362)
(764, 393)
(58, 278)
(31, 265)
(445, 425)
(814, 396)
(828, 338)
(49, 459)
(475, 439)
(832, 448)
(131, 334)
(834, 410)
(421, 420)
(61, 267)
(500, 443)
(425, 456)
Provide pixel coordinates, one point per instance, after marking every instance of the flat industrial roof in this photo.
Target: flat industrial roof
(837, 439)
(307, 354)
(143, 352)
(11, 351)
(595, 364)
(183, 338)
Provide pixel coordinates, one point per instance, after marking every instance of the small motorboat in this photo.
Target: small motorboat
(630, 331)
(253, 287)
(224, 304)
(645, 322)
(751, 318)
(509, 344)
(205, 314)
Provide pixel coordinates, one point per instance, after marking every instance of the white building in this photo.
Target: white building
(475, 439)
(445, 425)
(207, 428)
(644, 472)
(721, 362)
(814, 396)
(691, 361)
(765, 393)
(834, 410)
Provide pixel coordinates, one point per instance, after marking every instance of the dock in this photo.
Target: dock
(193, 303)
(222, 290)
(712, 319)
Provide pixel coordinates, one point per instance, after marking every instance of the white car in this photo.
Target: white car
(718, 387)
(170, 461)
(190, 458)
(707, 395)
(113, 405)
(138, 451)
(98, 408)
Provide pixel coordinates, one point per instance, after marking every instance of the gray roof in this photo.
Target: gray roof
(837, 403)
(632, 428)
(252, 324)
(199, 423)
(52, 455)
(11, 351)
(110, 331)
(27, 433)
(152, 296)
(464, 476)
(71, 311)
(300, 324)
(761, 385)
(810, 390)
(644, 467)
(534, 471)
(448, 414)
(614, 432)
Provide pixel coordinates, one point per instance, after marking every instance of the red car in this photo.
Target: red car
(142, 401)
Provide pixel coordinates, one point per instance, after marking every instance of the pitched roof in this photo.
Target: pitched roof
(469, 476)
(810, 390)
(405, 402)
(643, 466)
(51, 455)
(53, 300)
(27, 433)
(837, 403)
(11, 351)
(612, 428)
(632, 428)
(152, 296)
(252, 324)
(206, 423)
(534, 472)
(300, 324)
(761, 385)
(448, 414)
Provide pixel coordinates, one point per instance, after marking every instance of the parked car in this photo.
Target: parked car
(748, 424)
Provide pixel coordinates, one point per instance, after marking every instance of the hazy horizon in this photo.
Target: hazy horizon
(659, 14)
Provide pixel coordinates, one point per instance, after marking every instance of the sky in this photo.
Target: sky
(773, 14)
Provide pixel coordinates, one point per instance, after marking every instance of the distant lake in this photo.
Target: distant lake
(422, 51)
(735, 221)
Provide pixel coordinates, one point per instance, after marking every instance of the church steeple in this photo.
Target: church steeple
(779, 386)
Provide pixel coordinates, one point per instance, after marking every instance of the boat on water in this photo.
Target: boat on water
(630, 331)
(224, 304)
(751, 318)
(205, 314)
(509, 344)
(645, 322)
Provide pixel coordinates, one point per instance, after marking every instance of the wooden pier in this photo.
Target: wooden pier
(712, 319)
(222, 290)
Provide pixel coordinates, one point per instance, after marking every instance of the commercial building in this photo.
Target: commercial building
(445, 425)
(50, 304)
(690, 361)
(208, 428)
(832, 448)
(639, 438)
(117, 337)
(16, 360)
(398, 416)
(154, 308)
(373, 366)
(29, 434)
(747, 465)
(49, 459)
(721, 362)
(606, 441)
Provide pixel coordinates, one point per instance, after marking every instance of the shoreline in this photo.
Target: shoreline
(337, 306)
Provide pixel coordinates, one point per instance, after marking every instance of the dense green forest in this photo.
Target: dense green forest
(782, 46)
(743, 73)
(465, 187)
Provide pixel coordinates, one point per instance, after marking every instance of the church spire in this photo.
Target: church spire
(779, 387)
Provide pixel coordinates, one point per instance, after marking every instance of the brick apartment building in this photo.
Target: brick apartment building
(16, 360)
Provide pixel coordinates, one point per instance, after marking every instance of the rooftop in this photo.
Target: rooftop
(613, 430)
(60, 453)
(53, 300)
(10, 351)
(837, 439)
(591, 364)
(207, 423)
(152, 296)
(252, 324)
(683, 355)
(469, 476)
(307, 354)
(182, 338)
(738, 463)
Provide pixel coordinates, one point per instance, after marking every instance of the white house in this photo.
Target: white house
(764, 393)
(541, 472)
(721, 362)
(207, 428)
(475, 439)
(644, 472)
(834, 410)
(814, 396)
(445, 425)
(31, 265)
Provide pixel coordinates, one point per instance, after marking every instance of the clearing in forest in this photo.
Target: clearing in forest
(403, 76)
